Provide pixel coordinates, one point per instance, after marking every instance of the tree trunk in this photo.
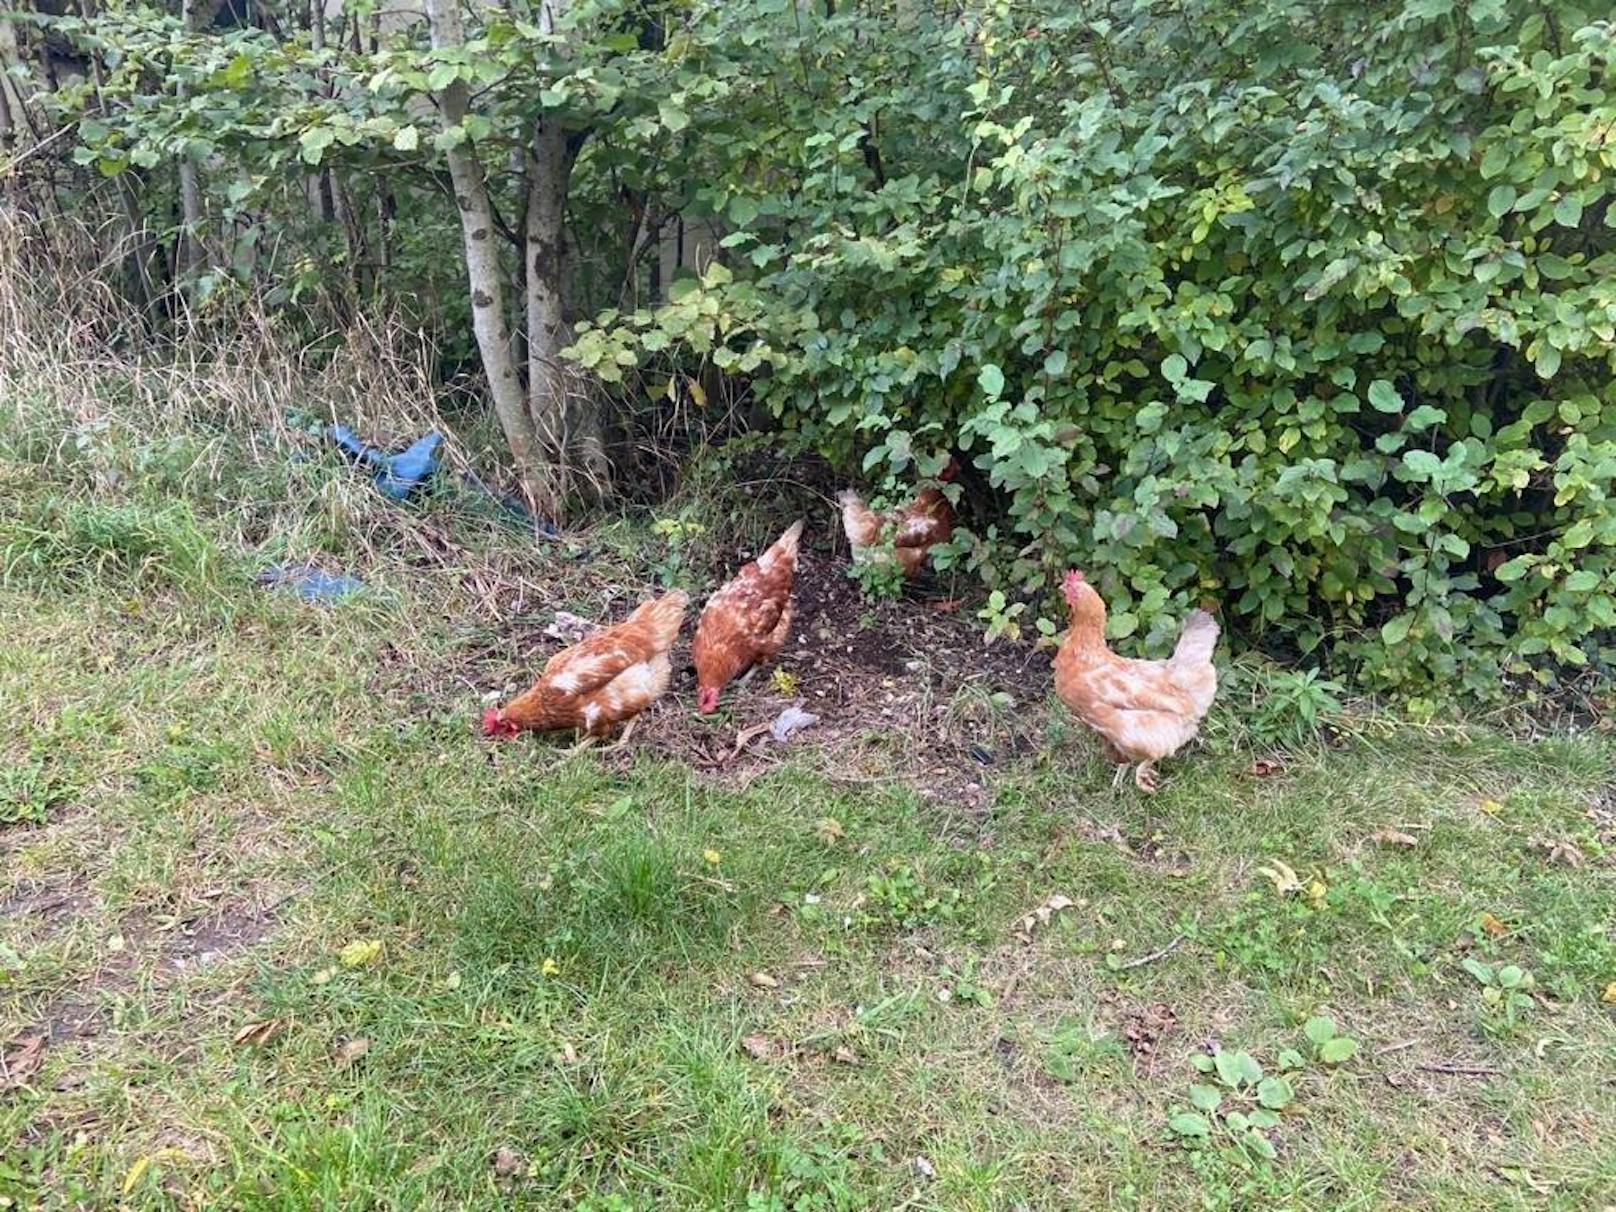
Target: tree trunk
(483, 274)
(564, 412)
(189, 256)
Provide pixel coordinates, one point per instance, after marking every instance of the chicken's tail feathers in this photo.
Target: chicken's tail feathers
(665, 615)
(1197, 640)
(785, 547)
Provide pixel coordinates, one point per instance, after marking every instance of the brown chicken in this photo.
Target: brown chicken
(913, 530)
(745, 622)
(1143, 710)
(610, 677)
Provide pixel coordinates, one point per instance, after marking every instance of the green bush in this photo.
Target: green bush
(1308, 308)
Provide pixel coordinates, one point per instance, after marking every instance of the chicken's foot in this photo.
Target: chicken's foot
(628, 731)
(583, 742)
(1145, 777)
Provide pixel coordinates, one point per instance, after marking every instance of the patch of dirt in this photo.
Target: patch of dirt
(52, 906)
(1144, 1028)
(910, 677)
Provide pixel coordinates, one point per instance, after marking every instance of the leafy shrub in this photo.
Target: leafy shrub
(1310, 309)
(59, 538)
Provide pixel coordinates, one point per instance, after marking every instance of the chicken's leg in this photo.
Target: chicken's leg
(1145, 777)
(628, 731)
(583, 742)
(1116, 780)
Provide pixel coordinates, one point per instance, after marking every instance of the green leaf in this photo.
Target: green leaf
(1568, 211)
(1260, 1145)
(991, 380)
(314, 141)
(1383, 397)
(1334, 1051)
(1547, 362)
(442, 75)
(1275, 1093)
(1424, 417)
(1237, 1069)
(1392, 633)
(1055, 363)
(1496, 159)
(1205, 1098)
(1190, 1124)
(1319, 1028)
(406, 139)
(1501, 201)
(672, 116)
(742, 210)
(1174, 367)
(1422, 463)
(1582, 581)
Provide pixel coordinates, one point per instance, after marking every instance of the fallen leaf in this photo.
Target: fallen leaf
(712, 856)
(550, 967)
(21, 1058)
(350, 1052)
(1568, 854)
(257, 1034)
(785, 681)
(763, 980)
(452, 981)
(1490, 806)
(360, 952)
(1609, 995)
(829, 829)
(1393, 837)
(924, 1168)
(1283, 877)
(762, 1047)
(323, 976)
(135, 1171)
(1263, 767)
(844, 1055)
(790, 722)
(507, 1162)
(569, 1054)
(1041, 916)
(1492, 925)
(948, 605)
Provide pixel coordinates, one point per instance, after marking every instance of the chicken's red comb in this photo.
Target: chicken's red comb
(491, 721)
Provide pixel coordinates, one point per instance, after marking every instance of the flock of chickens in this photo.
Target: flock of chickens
(1143, 710)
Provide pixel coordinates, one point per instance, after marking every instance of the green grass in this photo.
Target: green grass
(483, 976)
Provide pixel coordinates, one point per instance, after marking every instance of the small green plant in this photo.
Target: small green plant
(1505, 992)
(1073, 1049)
(1003, 618)
(878, 574)
(673, 565)
(1292, 706)
(897, 897)
(1241, 1104)
(27, 793)
(962, 988)
(1330, 1047)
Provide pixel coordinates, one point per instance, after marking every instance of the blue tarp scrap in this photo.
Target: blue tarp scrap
(397, 475)
(310, 583)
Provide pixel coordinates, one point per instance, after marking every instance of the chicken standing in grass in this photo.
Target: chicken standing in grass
(913, 529)
(602, 681)
(1143, 710)
(746, 622)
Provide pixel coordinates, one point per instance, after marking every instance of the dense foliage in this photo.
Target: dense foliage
(1310, 309)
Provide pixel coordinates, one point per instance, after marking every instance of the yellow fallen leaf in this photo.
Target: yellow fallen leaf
(1283, 877)
(829, 829)
(323, 976)
(135, 1171)
(1492, 925)
(764, 981)
(712, 856)
(1490, 807)
(452, 981)
(550, 967)
(1316, 891)
(360, 952)
(1610, 994)
(785, 681)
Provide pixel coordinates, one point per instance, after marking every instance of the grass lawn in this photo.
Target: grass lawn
(278, 930)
